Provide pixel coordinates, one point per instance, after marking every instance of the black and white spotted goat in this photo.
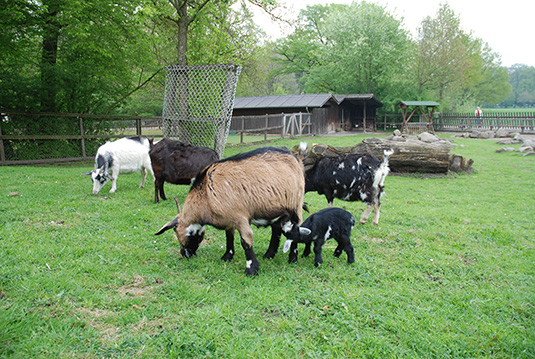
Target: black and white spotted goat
(126, 155)
(328, 223)
(351, 177)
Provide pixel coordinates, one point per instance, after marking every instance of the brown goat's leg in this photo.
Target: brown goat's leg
(251, 263)
(229, 254)
(276, 232)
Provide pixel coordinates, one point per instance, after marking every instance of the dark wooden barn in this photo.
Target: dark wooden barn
(326, 112)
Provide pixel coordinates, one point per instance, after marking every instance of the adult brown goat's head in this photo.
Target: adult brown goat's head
(189, 236)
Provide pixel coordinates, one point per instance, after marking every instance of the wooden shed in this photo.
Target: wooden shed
(358, 112)
(327, 112)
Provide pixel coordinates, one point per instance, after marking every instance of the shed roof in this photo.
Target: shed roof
(282, 101)
(358, 97)
(418, 103)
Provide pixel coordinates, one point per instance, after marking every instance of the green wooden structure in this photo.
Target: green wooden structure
(417, 105)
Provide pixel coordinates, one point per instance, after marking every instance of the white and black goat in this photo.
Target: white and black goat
(328, 223)
(126, 155)
(351, 177)
(178, 163)
(264, 187)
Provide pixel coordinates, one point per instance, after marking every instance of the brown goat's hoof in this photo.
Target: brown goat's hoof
(252, 268)
(227, 257)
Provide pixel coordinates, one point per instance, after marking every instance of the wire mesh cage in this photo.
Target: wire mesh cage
(198, 103)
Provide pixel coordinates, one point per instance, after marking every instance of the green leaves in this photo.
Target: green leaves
(354, 48)
(454, 67)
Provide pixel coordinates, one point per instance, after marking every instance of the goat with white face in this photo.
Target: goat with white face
(264, 187)
(126, 155)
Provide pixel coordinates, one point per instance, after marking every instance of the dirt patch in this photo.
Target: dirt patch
(136, 288)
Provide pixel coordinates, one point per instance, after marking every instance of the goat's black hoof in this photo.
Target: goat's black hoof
(252, 269)
(227, 257)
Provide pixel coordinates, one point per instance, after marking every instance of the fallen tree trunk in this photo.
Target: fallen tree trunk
(410, 155)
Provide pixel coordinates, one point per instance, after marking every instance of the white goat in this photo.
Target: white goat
(126, 155)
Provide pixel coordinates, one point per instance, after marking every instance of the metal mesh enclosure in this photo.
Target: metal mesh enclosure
(198, 103)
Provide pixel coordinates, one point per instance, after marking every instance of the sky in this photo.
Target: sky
(508, 27)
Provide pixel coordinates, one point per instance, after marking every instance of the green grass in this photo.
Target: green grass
(448, 272)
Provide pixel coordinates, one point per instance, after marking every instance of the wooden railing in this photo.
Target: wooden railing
(81, 135)
(84, 137)
(520, 121)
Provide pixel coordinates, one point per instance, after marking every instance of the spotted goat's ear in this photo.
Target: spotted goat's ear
(304, 231)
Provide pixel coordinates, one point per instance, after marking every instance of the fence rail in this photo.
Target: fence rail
(522, 121)
(28, 138)
(86, 134)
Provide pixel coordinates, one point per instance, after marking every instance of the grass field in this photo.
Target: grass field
(447, 273)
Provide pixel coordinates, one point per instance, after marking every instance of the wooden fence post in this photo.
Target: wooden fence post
(283, 125)
(138, 126)
(2, 153)
(266, 131)
(242, 128)
(82, 141)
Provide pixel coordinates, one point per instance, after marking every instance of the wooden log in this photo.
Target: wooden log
(410, 155)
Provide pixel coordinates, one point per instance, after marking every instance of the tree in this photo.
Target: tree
(190, 23)
(453, 67)
(75, 56)
(522, 80)
(357, 48)
(443, 56)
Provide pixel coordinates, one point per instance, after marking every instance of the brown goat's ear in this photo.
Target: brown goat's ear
(169, 225)
(177, 205)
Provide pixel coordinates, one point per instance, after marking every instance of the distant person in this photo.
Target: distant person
(478, 114)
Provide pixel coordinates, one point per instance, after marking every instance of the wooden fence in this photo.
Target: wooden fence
(85, 136)
(264, 124)
(523, 122)
(18, 137)
(293, 124)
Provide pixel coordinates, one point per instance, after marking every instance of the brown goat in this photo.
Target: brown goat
(264, 187)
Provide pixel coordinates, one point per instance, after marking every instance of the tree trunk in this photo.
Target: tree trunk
(51, 29)
(410, 156)
(183, 25)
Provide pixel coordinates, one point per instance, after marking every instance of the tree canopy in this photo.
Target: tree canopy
(455, 68)
(361, 48)
(101, 57)
(94, 56)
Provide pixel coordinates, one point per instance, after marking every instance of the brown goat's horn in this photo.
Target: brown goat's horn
(177, 205)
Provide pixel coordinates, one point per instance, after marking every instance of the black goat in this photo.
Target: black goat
(328, 223)
(178, 163)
